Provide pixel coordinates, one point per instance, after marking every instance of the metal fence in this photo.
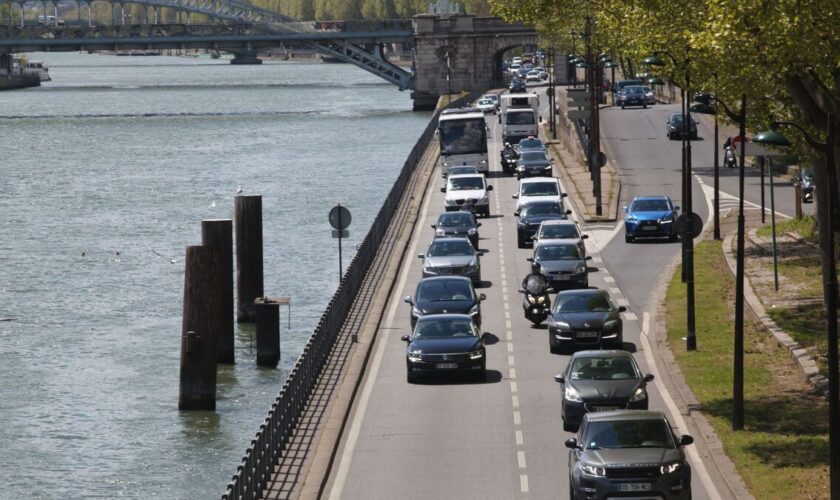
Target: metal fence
(255, 470)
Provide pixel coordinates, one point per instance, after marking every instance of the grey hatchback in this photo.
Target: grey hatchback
(630, 453)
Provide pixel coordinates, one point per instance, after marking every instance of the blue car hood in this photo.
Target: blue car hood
(650, 215)
(446, 345)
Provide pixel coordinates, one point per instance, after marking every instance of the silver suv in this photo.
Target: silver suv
(629, 453)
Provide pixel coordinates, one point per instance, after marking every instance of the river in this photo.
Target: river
(106, 173)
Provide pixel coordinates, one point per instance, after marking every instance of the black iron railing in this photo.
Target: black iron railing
(255, 469)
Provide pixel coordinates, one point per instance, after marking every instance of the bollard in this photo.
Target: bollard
(200, 328)
(268, 331)
(218, 233)
(249, 255)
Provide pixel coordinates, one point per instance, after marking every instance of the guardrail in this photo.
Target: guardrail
(254, 471)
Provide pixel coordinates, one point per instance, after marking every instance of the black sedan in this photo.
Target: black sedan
(633, 95)
(517, 85)
(584, 318)
(458, 224)
(529, 143)
(601, 381)
(445, 344)
(674, 127)
(443, 295)
(531, 215)
(533, 163)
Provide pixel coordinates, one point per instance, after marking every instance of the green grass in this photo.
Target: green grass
(783, 450)
(805, 227)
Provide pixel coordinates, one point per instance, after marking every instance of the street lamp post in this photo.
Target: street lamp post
(687, 238)
(829, 270)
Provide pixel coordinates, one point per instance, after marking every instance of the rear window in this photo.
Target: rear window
(625, 83)
(540, 189)
(646, 433)
(520, 119)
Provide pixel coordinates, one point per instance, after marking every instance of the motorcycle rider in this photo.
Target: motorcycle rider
(535, 283)
(729, 159)
(507, 156)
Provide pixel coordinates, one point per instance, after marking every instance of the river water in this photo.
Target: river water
(105, 175)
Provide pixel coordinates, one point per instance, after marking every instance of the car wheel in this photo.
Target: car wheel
(628, 238)
(644, 106)
(619, 342)
(622, 106)
(672, 237)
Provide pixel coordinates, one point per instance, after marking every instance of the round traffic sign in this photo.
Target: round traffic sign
(689, 224)
(600, 159)
(340, 217)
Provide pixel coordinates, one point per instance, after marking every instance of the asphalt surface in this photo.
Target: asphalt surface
(503, 438)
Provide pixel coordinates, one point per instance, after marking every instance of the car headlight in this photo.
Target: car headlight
(446, 164)
(531, 299)
(593, 470)
(611, 325)
(428, 268)
(474, 311)
(483, 200)
(571, 394)
(670, 468)
(415, 356)
(440, 232)
(667, 218)
(639, 395)
(471, 231)
(415, 311)
(580, 269)
(631, 218)
(483, 162)
(476, 354)
(562, 325)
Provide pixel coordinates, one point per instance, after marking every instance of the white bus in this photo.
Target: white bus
(463, 139)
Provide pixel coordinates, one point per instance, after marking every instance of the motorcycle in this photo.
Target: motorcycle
(729, 159)
(806, 185)
(508, 160)
(536, 304)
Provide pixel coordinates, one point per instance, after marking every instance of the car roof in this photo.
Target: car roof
(433, 279)
(600, 353)
(559, 222)
(607, 416)
(449, 237)
(555, 242)
(652, 197)
(531, 180)
(461, 176)
(539, 201)
(433, 317)
(583, 291)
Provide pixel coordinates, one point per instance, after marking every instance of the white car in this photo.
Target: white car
(513, 69)
(487, 106)
(564, 229)
(538, 189)
(533, 76)
(494, 98)
(469, 189)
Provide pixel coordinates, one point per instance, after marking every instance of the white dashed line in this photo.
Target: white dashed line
(507, 311)
(519, 440)
(515, 400)
(513, 387)
(511, 361)
(520, 458)
(523, 483)
(508, 324)
(615, 290)
(512, 375)
(517, 419)
(510, 347)
(622, 301)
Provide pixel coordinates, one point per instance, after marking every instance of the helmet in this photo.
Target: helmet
(535, 268)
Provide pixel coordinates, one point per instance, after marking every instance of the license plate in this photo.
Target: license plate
(446, 366)
(560, 277)
(605, 408)
(587, 335)
(634, 487)
(649, 228)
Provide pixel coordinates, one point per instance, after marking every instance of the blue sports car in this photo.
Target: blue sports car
(650, 217)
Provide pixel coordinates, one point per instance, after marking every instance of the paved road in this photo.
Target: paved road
(503, 439)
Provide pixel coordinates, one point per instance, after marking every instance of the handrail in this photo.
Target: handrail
(254, 471)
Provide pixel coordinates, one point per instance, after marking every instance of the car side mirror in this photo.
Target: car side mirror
(563, 195)
(571, 443)
(489, 188)
(485, 335)
(621, 309)
(676, 208)
(482, 297)
(404, 338)
(408, 300)
(478, 225)
(587, 258)
(530, 259)
(584, 236)
(686, 440)
(560, 379)
(434, 226)
(625, 209)
(480, 254)
(421, 256)
(443, 190)
(514, 196)
(516, 213)
(568, 212)
(648, 377)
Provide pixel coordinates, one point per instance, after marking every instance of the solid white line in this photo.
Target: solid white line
(519, 440)
(677, 418)
(615, 290)
(609, 279)
(645, 322)
(523, 483)
(364, 397)
(520, 458)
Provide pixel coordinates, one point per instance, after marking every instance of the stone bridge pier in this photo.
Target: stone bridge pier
(461, 54)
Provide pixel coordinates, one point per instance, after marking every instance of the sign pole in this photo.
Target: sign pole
(340, 267)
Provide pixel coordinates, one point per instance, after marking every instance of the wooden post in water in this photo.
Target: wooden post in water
(218, 233)
(200, 328)
(249, 255)
(268, 331)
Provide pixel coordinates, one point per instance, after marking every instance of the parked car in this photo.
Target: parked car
(538, 189)
(487, 106)
(584, 318)
(629, 452)
(562, 229)
(469, 189)
(452, 255)
(462, 169)
(530, 216)
(517, 85)
(650, 217)
(533, 163)
(601, 381)
(562, 263)
(633, 95)
(674, 127)
(445, 344)
(458, 224)
(444, 295)
(533, 76)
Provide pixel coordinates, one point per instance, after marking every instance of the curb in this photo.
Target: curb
(797, 352)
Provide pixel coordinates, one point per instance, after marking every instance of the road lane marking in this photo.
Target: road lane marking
(515, 400)
(508, 324)
(513, 387)
(523, 483)
(615, 290)
(622, 301)
(512, 375)
(630, 316)
(520, 458)
(517, 419)
(511, 361)
(510, 347)
(609, 279)
(519, 440)
(645, 323)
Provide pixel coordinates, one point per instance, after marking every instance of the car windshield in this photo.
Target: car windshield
(486, 102)
(455, 219)
(559, 231)
(539, 189)
(438, 291)
(558, 252)
(634, 90)
(526, 118)
(573, 303)
(678, 119)
(465, 183)
(542, 209)
(533, 156)
(647, 433)
(443, 328)
(462, 170)
(454, 247)
(530, 144)
(603, 368)
(650, 206)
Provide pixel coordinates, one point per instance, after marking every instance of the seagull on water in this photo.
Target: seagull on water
(239, 189)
